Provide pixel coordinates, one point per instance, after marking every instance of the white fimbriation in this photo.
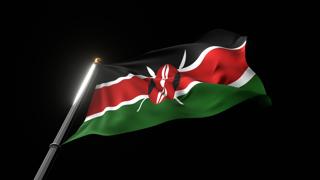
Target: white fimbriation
(243, 79)
(199, 60)
(113, 108)
(118, 80)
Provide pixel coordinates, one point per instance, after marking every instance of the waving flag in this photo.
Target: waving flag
(192, 80)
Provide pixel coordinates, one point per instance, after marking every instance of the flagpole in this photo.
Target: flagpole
(53, 147)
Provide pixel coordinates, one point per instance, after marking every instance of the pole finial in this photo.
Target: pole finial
(97, 60)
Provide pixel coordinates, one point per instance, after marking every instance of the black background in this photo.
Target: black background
(57, 45)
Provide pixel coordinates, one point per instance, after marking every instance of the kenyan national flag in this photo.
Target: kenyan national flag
(193, 80)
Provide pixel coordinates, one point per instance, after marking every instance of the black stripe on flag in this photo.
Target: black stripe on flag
(171, 55)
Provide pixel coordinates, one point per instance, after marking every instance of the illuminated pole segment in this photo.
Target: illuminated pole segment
(57, 141)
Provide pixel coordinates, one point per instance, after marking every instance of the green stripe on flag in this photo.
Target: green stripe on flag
(203, 100)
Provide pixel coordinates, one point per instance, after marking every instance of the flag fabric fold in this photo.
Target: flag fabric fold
(193, 80)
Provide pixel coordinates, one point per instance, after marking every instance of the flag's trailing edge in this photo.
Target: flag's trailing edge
(194, 80)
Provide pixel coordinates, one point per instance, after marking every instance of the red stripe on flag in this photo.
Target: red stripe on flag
(115, 94)
(220, 66)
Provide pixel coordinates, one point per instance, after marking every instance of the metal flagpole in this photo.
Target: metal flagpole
(57, 141)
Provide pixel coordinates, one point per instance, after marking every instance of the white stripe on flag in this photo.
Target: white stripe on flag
(112, 108)
(244, 78)
(199, 60)
(129, 76)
